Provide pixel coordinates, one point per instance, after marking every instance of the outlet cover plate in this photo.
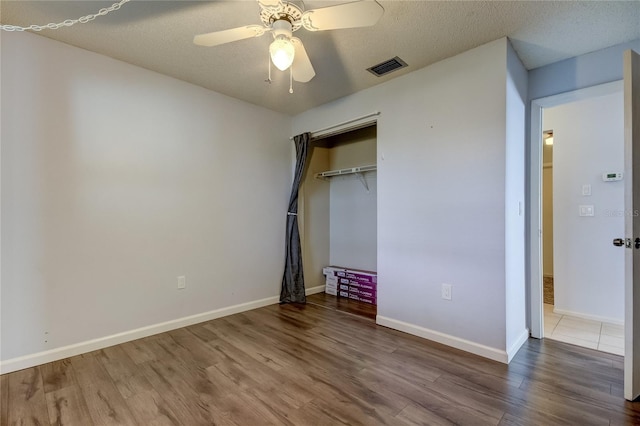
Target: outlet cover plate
(446, 291)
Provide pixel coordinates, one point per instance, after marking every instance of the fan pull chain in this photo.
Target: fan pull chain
(269, 67)
(66, 22)
(290, 79)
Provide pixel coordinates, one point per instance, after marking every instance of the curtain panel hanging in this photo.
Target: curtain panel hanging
(293, 278)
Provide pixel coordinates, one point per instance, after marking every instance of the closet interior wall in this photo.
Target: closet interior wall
(338, 216)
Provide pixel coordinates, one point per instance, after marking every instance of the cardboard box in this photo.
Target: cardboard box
(362, 298)
(355, 297)
(331, 270)
(356, 289)
(355, 274)
(351, 283)
(371, 294)
(367, 300)
(358, 276)
(363, 286)
(331, 280)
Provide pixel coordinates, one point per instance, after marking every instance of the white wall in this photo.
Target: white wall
(116, 180)
(442, 138)
(353, 222)
(515, 296)
(588, 269)
(353, 209)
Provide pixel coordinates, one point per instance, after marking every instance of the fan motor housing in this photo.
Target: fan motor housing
(288, 12)
(282, 27)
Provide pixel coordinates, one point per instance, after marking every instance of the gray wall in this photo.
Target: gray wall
(353, 208)
(443, 214)
(117, 180)
(591, 69)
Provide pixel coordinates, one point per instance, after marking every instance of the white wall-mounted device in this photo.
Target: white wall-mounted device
(611, 176)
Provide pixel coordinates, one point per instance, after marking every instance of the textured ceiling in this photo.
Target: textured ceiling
(158, 35)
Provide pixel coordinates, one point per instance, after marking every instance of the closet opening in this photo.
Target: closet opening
(338, 221)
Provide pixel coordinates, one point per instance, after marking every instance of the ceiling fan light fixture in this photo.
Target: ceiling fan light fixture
(281, 18)
(282, 52)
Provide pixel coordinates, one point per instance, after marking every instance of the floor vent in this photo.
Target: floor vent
(386, 67)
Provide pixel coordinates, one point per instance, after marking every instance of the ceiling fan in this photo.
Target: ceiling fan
(282, 18)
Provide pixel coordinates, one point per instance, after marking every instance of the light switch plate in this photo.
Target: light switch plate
(586, 189)
(586, 210)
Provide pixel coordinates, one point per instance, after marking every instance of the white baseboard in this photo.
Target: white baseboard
(44, 357)
(513, 350)
(445, 339)
(588, 316)
(314, 290)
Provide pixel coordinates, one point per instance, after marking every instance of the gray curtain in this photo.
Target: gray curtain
(293, 278)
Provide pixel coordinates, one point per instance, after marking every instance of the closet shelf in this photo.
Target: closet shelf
(342, 172)
(358, 171)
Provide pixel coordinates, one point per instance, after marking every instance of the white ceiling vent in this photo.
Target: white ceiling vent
(386, 67)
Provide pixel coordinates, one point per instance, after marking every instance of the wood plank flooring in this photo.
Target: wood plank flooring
(312, 365)
(344, 304)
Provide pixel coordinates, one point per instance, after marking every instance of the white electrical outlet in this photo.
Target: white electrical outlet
(446, 291)
(182, 282)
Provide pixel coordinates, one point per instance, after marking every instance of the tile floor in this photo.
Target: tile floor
(602, 336)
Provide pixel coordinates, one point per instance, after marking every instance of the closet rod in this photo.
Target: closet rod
(373, 114)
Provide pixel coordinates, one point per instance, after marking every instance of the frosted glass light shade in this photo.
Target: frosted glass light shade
(282, 52)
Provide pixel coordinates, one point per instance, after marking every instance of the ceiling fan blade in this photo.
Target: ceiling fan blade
(301, 68)
(349, 15)
(227, 36)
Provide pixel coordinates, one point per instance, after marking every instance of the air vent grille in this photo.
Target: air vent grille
(386, 67)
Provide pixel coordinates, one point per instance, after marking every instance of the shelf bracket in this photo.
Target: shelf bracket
(363, 180)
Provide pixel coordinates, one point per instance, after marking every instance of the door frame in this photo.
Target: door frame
(534, 232)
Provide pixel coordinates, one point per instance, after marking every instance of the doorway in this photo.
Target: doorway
(583, 141)
(338, 217)
(587, 272)
(548, 292)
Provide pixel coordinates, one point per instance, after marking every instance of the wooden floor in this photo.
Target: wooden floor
(310, 365)
(344, 304)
